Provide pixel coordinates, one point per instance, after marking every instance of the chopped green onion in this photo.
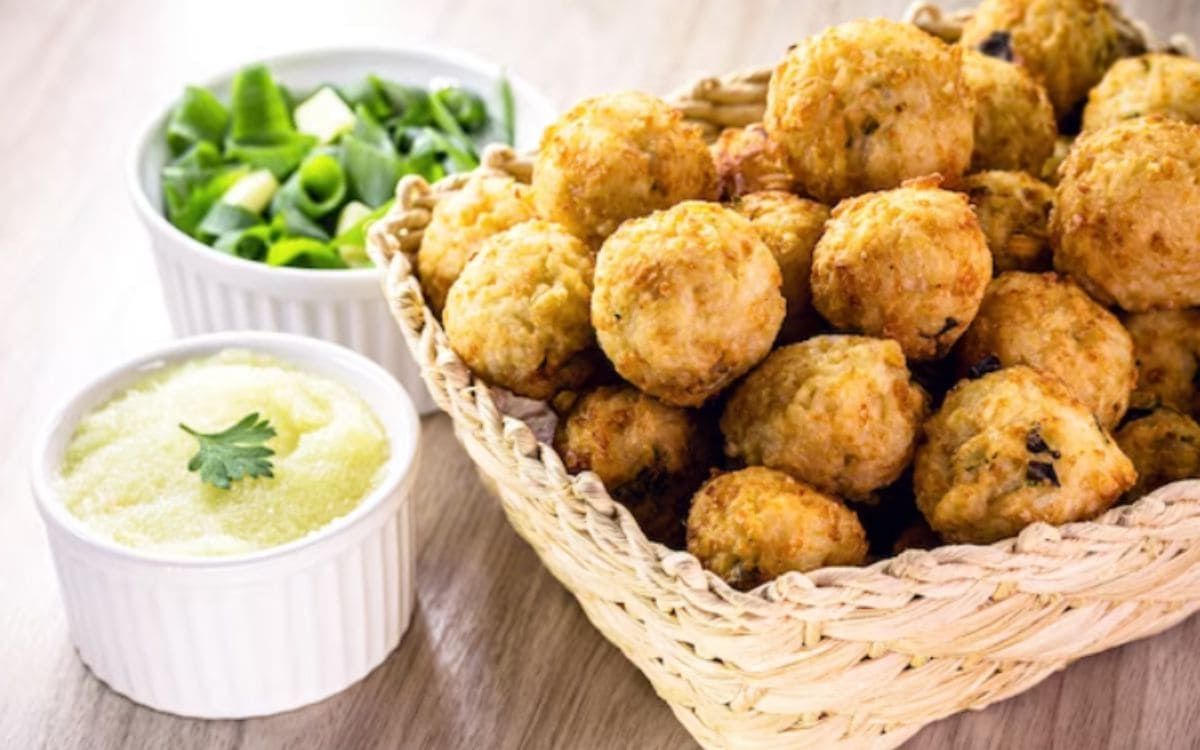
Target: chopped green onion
(467, 109)
(351, 239)
(290, 221)
(191, 191)
(259, 108)
(198, 118)
(252, 192)
(250, 243)
(351, 214)
(317, 188)
(370, 159)
(223, 218)
(280, 154)
(265, 179)
(508, 109)
(324, 116)
(303, 252)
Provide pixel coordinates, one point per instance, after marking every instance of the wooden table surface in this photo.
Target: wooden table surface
(498, 655)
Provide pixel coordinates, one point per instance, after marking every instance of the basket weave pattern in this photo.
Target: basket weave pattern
(840, 657)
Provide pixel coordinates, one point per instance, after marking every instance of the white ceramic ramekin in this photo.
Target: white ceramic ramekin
(209, 291)
(245, 635)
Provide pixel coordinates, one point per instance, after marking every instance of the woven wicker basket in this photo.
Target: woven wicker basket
(840, 657)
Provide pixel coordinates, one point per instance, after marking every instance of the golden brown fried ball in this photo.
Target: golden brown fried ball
(1164, 447)
(1065, 44)
(753, 525)
(686, 301)
(1012, 448)
(616, 157)
(486, 205)
(909, 264)
(1167, 85)
(868, 104)
(748, 161)
(1014, 121)
(650, 456)
(1125, 223)
(791, 227)
(1166, 345)
(1046, 321)
(1013, 210)
(838, 412)
(518, 314)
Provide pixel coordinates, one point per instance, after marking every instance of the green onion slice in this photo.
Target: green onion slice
(250, 243)
(303, 252)
(317, 188)
(198, 118)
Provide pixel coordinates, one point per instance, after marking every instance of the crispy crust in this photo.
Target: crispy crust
(838, 412)
(1014, 120)
(1012, 448)
(616, 157)
(1164, 447)
(790, 226)
(686, 301)
(748, 161)
(1014, 213)
(1065, 44)
(486, 205)
(868, 104)
(1046, 321)
(650, 456)
(519, 313)
(752, 525)
(1124, 222)
(1167, 85)
(909, 264)
(1166, 345)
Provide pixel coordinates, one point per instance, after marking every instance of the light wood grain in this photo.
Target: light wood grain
(498, 655)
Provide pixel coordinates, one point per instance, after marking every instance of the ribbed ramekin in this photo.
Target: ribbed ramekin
(245, 635)
(207, 291)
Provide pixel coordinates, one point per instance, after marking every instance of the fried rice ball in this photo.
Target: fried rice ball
(650, 456)
(1167, 85)
(518, 314)
(909, 264)
(616, 157)
(756, 524)
(1164, 447)
(1124, 222)
(1014, 121)
(868, 104)
(748, 161)
(686, 301)
(1046, 321)
(486, 205)
(838, 412)
(791, 227)
(1014, 211)
(1012, 448)
(1066, 45)
(1166, 346)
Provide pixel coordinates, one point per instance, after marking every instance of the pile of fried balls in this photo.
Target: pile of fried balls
(942, 291)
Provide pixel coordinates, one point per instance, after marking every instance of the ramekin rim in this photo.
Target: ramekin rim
(399, 466)
(350, 277)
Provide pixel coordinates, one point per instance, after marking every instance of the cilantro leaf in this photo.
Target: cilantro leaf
(239, 451)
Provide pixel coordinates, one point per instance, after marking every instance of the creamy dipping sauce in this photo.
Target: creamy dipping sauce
(125, 472)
